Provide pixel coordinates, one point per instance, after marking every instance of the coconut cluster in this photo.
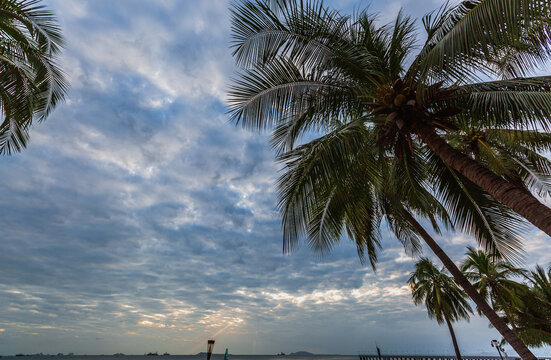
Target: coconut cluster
(404, 109)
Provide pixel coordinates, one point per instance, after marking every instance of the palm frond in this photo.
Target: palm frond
(510, 153)
(475, 35)
(521, 103)
(312, 172)
(474, 211)
(304, 32)
(443, 298)
(281, 92)
(32, 82)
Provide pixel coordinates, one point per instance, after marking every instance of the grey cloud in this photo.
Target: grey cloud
(139, 216)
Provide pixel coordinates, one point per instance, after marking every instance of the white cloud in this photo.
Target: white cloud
(148, 47)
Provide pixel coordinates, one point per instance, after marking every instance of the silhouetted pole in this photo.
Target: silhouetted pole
(496, 345)
(210, 346)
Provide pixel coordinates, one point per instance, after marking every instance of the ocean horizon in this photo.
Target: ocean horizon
(240, 357)
(186, 357)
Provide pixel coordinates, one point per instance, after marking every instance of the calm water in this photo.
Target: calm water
(215, 357)
(184, 357)
(203, 357)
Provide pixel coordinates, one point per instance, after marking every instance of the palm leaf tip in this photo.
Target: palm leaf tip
(32, 82)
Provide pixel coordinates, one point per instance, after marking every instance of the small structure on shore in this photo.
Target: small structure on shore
(210, 346)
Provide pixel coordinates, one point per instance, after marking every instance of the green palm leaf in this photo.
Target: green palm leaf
(519, 103)
(476, 34)
(31, 82)
(261, 100)
(441, 295)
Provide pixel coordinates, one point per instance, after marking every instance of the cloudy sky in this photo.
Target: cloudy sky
(139, 219)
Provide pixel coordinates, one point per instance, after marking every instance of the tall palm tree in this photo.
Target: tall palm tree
(493, 279)
(307, 66)
(444, 300)
(31, 82)
(336, 183)
(332, 183)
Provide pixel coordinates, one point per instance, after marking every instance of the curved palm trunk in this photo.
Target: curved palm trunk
(515, 197)
(455, 346)
(494, 319)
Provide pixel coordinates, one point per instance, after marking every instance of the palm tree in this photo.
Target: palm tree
(492, 278)
(511, 337)
(541, 281)
(533, 318)
(444, 300)
(336, 183)
(527, 310)
(531, 314)
(31, 83)
(307, 67)
(510, 153)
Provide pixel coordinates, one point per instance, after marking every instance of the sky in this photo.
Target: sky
(139, 219)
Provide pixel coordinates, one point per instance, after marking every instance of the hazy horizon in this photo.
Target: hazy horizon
(220, 356)
(215, 354)
(140, 220)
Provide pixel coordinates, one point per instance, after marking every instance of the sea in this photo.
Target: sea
(201, 356)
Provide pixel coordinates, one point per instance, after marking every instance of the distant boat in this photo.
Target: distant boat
(281, 354)
(152, 354)
(166, 354)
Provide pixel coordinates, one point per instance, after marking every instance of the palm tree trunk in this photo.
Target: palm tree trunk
(455, 346)
(494, 319)
(507, 193)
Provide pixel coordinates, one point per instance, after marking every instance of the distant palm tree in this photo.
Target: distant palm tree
(31, 83)
(493, 279)
(541, 280)
(530, 314)
(532, 318)
(444, 300)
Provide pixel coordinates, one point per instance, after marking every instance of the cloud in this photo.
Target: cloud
(140, 219)
(180, 47)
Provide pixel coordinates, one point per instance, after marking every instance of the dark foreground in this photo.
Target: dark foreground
(438, 357)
